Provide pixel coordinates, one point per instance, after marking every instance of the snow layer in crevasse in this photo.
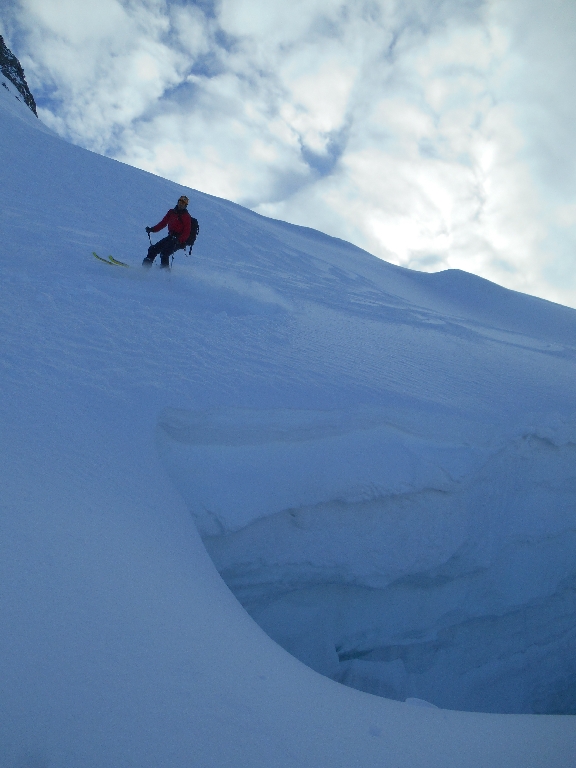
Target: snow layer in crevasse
(401, 561)
(120, 643)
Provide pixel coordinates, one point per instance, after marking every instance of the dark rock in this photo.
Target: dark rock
(11, 68)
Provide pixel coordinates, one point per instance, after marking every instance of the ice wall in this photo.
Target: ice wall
(438, 564)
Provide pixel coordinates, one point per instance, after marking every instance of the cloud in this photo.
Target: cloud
(98, 66)
(433, 133)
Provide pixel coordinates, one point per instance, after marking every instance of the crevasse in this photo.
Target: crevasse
(437, 564)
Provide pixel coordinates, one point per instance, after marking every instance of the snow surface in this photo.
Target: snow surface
(380, 463)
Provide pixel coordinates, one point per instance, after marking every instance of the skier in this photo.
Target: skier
(179, 224)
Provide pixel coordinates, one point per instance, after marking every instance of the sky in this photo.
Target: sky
(433, 133)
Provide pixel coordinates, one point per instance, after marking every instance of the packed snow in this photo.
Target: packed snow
(377, 463)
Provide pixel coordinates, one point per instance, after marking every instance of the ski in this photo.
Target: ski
(118, 263)
(110, 260)
(100, 258)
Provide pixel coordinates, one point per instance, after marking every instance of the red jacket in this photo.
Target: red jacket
(179, 223)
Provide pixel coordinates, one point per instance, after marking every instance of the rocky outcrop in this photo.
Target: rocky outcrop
(11, 69)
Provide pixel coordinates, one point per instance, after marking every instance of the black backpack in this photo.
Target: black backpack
(194, 229)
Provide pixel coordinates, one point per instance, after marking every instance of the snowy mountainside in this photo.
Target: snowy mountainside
(379, 462)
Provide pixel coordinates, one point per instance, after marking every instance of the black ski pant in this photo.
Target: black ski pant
(165, 247)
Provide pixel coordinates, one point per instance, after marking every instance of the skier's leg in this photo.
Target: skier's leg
(149, 258)
(166, 252)
(153, 251)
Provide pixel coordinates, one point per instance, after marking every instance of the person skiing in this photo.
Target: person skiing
(179, 224)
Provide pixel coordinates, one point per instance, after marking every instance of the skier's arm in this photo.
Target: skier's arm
(161, 224)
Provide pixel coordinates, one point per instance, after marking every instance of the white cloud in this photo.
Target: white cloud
(103, 63)
(434, 133)
(319, 88)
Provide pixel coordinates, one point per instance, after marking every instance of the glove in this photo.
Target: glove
(148, 230)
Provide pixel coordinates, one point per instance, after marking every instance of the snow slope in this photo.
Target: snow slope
(361, 447)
